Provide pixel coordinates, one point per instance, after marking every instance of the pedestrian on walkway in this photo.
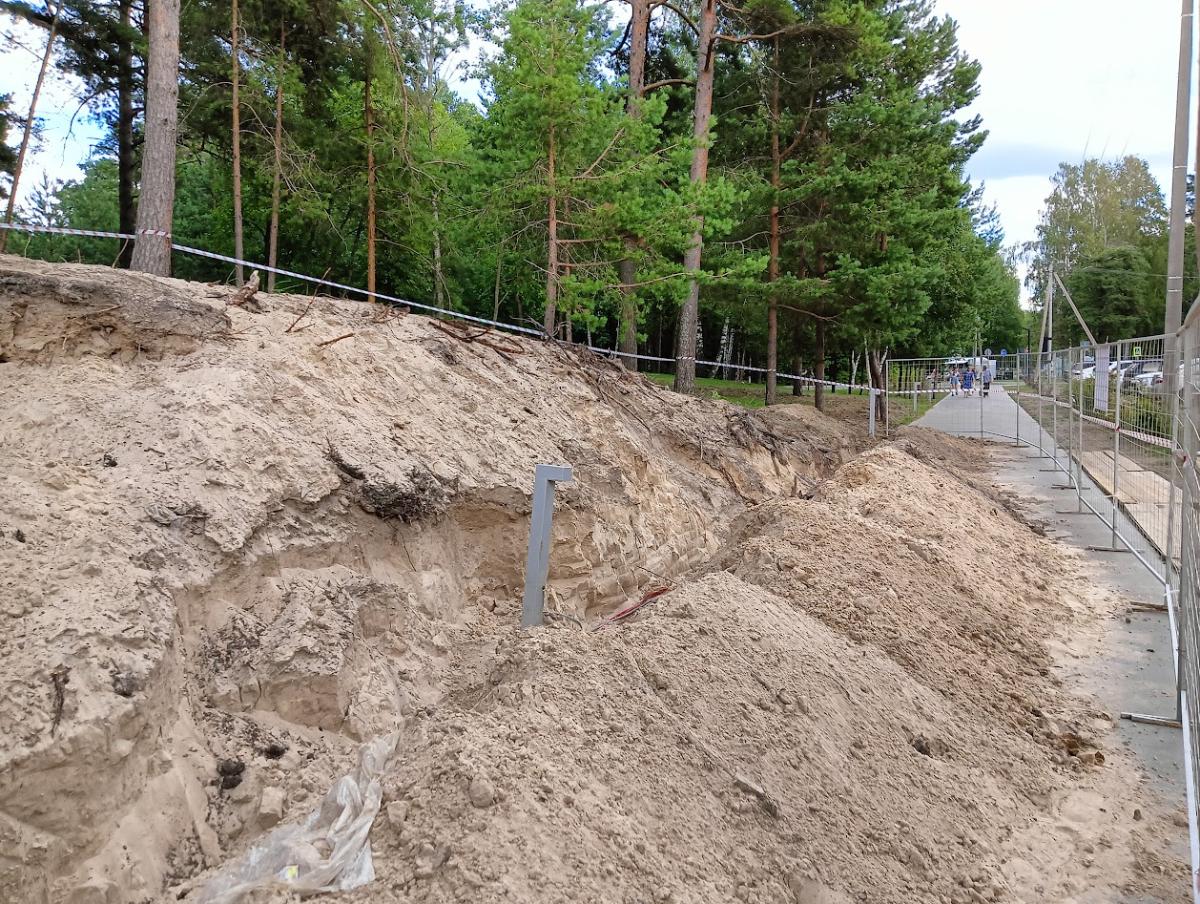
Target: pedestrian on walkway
(968, 381)
(985, 380)
(954, 381)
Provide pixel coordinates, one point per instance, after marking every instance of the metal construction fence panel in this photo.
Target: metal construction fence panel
(1120, 422)
(1183, 592)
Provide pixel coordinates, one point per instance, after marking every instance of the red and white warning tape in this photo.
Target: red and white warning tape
(1132, 433)
(380, 296)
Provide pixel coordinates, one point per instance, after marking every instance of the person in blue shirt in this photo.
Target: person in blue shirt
(968, 381)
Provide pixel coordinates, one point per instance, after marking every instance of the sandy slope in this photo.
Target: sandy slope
(841, 706)
(224, 537)
(217, 531)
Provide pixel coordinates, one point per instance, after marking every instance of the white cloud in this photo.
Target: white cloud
(1063, 80)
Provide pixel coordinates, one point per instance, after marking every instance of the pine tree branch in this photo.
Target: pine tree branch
(647, 282)
(812, 314)
(788, 31)
(604, 153)
(662, 83)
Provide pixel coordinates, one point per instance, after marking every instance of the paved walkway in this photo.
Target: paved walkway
(995, 414)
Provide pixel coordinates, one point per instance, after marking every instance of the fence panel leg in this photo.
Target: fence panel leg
(1117, 452)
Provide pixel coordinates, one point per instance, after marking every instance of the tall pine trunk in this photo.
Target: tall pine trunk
(369, 118)
(797, 360)
(156, 204)
(875, 364)
(627, 268)
(277, 166)
(551, 243)
(239, 247)
(126, 153)
(819, 353)
(496, 289)
(773, 244)
(689, 314)
(29, 123)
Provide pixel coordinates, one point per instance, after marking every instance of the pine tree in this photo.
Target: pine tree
(27, 132)
(156, 206)
(554, 126)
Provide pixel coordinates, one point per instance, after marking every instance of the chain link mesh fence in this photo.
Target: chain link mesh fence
(1182, 383)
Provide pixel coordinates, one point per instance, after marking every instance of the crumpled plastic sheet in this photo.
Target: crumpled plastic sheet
(328, 851)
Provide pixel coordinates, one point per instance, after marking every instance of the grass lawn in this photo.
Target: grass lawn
(748, 395)
(901, 407)
(850, 408)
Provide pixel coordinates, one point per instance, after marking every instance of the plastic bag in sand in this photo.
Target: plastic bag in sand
(328, 851)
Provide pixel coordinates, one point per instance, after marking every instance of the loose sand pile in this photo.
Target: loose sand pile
(232, 550)
(850, 705)
(222, 533)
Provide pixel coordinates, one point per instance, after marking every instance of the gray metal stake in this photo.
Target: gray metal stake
(537, 565)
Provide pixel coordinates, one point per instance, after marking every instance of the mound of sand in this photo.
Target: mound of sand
(845, 705)
(225, 530)
(237, 543)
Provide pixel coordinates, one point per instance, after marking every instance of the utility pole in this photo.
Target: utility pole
(1175, 250)
(1048, 315)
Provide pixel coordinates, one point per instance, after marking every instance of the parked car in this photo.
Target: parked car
(1147, 380)
(1156, 384)
(1139, 373)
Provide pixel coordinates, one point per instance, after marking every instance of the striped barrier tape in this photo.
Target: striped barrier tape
(1139, 435)
(279, 271)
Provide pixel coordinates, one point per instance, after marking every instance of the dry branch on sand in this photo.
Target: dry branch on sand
(245, 296)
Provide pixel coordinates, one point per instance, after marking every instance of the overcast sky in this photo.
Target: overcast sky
(1061, 79)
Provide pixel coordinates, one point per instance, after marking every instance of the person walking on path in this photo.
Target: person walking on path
(954, 382)
(985, 380)
(968, 381)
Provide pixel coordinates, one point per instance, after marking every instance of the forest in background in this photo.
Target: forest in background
(780, 183)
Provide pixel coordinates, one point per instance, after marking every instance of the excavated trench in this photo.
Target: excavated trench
(313, 649)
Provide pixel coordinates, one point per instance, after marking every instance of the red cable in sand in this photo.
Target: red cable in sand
(652, 594)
